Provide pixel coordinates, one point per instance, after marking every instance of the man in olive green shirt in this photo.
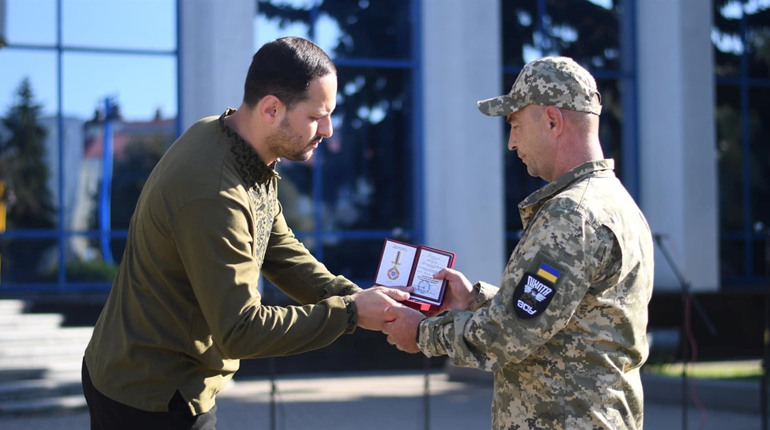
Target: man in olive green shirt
(184, 307)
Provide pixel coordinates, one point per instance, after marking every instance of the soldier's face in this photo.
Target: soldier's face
(527, 138)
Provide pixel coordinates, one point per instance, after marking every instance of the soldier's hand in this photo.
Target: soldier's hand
(459, 293)
(402, 328)
(371, 304)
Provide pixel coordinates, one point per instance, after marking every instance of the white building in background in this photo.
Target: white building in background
(83, 162)
(72, 161)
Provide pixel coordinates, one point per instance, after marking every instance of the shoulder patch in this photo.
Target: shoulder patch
(535, 291)
(549, 273)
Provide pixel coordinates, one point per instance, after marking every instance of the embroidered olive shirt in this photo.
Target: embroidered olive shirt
(565, 333)
(184, 307)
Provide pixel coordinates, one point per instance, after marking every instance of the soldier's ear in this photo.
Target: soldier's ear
(554, 118)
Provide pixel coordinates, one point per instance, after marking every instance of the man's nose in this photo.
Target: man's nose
(512, 142)
(325, 128)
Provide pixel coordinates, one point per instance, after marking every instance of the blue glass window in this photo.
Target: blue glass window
(740, 38)
(359, 186)
(100, 89)
(596, 34)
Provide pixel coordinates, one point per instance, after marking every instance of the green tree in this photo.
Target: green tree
(23, 168)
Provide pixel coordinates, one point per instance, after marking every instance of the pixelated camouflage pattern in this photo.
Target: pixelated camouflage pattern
(575, 366)
(548, 81)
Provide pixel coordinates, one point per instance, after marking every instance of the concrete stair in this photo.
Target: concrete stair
(39, 362)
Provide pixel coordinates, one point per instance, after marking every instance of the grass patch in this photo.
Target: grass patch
(751, 370)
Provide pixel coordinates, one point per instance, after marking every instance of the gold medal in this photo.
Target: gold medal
(393, 273)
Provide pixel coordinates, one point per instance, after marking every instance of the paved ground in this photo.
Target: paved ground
(394, 400)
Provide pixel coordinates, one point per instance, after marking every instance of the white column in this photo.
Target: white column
(677, 138)
(216, 46)
(463, 149)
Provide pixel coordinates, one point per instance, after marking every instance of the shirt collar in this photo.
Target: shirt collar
(252, 169)
(589, 168)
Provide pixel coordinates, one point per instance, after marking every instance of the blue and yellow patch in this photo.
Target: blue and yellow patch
(534, 292)
(548, 273)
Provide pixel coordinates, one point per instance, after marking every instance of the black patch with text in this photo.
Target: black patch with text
(532, 296)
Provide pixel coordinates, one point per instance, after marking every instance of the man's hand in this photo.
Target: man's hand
(459, 292)
(402, 328)
(371, 304)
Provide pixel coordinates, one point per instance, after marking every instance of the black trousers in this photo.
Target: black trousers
(107, 414)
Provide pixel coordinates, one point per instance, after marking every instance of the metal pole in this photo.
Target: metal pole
(273, 389)
(426, 394)
(267, 292)
(763, 393)
(688, 301)
(765, 357)
(106, 186)
(685, 359)
(2, 221)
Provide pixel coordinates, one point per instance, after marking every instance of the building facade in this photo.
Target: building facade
(683, 84)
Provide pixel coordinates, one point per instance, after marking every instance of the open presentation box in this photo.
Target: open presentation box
(403, 264)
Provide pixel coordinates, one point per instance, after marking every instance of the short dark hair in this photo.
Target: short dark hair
(285, 68)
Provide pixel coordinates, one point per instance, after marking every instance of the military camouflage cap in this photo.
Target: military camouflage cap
(548, 81)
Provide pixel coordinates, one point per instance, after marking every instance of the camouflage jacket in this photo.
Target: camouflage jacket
(565, 333)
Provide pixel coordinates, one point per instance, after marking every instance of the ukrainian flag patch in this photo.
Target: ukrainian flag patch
(548, 273)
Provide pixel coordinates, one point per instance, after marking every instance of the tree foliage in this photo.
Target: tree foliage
(23, 163)
(741, 27)
(23, 167)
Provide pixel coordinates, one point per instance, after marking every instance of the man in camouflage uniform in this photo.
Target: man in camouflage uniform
(564, 334)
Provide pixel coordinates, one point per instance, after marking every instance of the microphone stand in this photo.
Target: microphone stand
(687, 297)
(763, 393)
(268, 293)
(273, 389)
(426, 393)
